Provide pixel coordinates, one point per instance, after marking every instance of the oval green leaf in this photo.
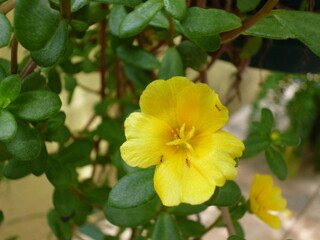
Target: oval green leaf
(227, 195)
(16, 169)
(247, 5)
(139, 18)
(187, 209)
(176, 8)
(129, 3)
(35, 23)
(165, 228)
(117, 14)
(192, 55)
(171, 65)
(8, 125)
(9, 90)
(63, 201)
(160, 20)
(38, 165)
(133, 190)
(54, 49)
(276, 163)
(132, 217)
(5, 30)
(137, 57)
(26, 144)
(208, 22)
(36, 105)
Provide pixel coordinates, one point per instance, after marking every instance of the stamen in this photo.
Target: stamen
(181, 138)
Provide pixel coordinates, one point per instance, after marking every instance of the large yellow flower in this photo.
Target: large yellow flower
(265, 198)
(178, 131)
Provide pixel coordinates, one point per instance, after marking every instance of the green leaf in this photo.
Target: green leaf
(139, 77)
(34, 81)
(1, 216)
(191, 228)
(227, 195)
(187, 209)
(77, 152)
(304, 25)
(26, 144)
(269, 27)
(129, 3)
(81, 213)
(54, 49)
(137, 57)
(77, 4)
(110, 130)
(62, 229)
(139, 18)
(235, 237)
(283, 24)
(247, 5)
(39, 165)
(192, 56)
(70, 85)
(56, 121)
(9, 90)
(133, 190)
(64, 201)
(257, 141)
(5, 155)
(36, 105)
(16, 169)
(5, 30)
(166, 228)
(117, 14)
(54, 81)
(267, 119)
(160, 20)
(176, 8)
(35, 22)
(250, 48)
(92, 231)
(132, 217)
(97, 195)
(171, 64)
(58, 174)
(3, 73)
(276, 163)
(8, 126)
(208, 22)
(290, 139)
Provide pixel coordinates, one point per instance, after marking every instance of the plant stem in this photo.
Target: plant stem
(102, 38)
(171, 32)
(263, 12)
(8, 7)
(14, 55)
(227, 220)
(65, 9)
(28, 68)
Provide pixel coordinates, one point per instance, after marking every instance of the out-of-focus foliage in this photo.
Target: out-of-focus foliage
(130, 43)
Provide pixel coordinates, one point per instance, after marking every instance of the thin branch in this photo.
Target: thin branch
(88, 89)
(171, 32)
(8, 7)
(103, 61)
(65, 9)
(227, 220)
(14, 55)
(28, 68)
(263, 12)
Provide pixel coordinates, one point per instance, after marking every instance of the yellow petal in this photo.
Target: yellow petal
(271, 220)
(146, 140)
(176, 181)
(159, 99)
(199, 106)
(226, 143)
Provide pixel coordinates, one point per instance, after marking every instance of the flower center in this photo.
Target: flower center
(182, 137)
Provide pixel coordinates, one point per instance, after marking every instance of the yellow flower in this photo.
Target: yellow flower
(266, 198)
(178, 131)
